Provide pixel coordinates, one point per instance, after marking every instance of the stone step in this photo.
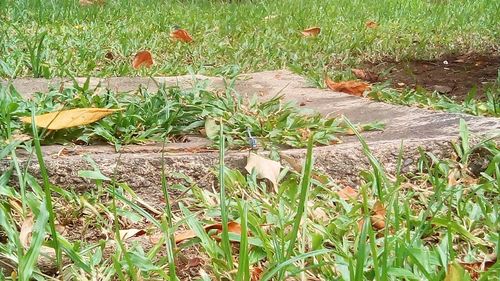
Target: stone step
(140, 165)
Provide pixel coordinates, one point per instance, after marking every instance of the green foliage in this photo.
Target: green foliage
(172, 112)
(231, 36)
(490, 106)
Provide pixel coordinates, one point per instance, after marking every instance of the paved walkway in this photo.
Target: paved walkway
(140, 165)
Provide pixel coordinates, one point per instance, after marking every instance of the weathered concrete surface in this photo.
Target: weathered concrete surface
(140, 166)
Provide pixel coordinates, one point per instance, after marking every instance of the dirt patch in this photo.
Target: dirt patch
(451, 75)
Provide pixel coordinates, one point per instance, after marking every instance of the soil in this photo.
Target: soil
(451, 75)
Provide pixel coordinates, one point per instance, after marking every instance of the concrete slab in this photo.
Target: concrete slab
(140, 166)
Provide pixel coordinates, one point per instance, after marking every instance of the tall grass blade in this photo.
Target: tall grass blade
(268, 275)
(28, 261)
(47, 189)
(304, 187)
(226, 245)
(244, 264)
(168, 229)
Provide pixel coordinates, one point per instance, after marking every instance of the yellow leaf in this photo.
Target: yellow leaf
(69, 118)
(456, 273)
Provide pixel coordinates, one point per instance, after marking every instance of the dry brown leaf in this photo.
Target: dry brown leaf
(453, 175)
(311, 31)
(256, 273)
(475, 268)
(264, 168)
(194, 262)
(361, 222)
(142, 58)
(348, 193)
(352, 87)
(109, 56)
(320, 215)
(378, 216)
(233, 227)
(69, 118)
(181, 35)
(365, 75)
(371, 24)
(25, 233)
(129, 233)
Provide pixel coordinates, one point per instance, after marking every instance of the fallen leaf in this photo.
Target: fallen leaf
(25, 238)
(109, 56)
(142, 58)
(371, 24)
(69, 118)
(452, 177)
(352, 87)
(348, 193)
(456, 272)
(311, 31)
(233, 227)
(320, 215)
(20, 137)
(264, 168)
(256, 273)
(361, 222)
(25, 233)
(475, 268)
(297, 167)
(365, 75)
(194, 262)
(378, 216)
(181, 35)
(129, 233)
(212, 129)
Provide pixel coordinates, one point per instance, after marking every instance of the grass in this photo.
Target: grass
(173, 113)
(443, 214)
(438, 220)
(489, 106)
(61, 38)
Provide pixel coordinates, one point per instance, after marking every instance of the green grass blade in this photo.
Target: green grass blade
(226, 244)
(269, 274)
(244, 264)
(47, 189)
(168, 228)
(305, 183)
(28, 261)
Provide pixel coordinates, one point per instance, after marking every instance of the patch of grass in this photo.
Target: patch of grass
(229, 36)
(490, 106)
(172, 112)
(444, 214)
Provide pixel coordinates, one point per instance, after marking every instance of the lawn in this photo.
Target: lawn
(64, 38)
(280, 219)
(61, 38)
